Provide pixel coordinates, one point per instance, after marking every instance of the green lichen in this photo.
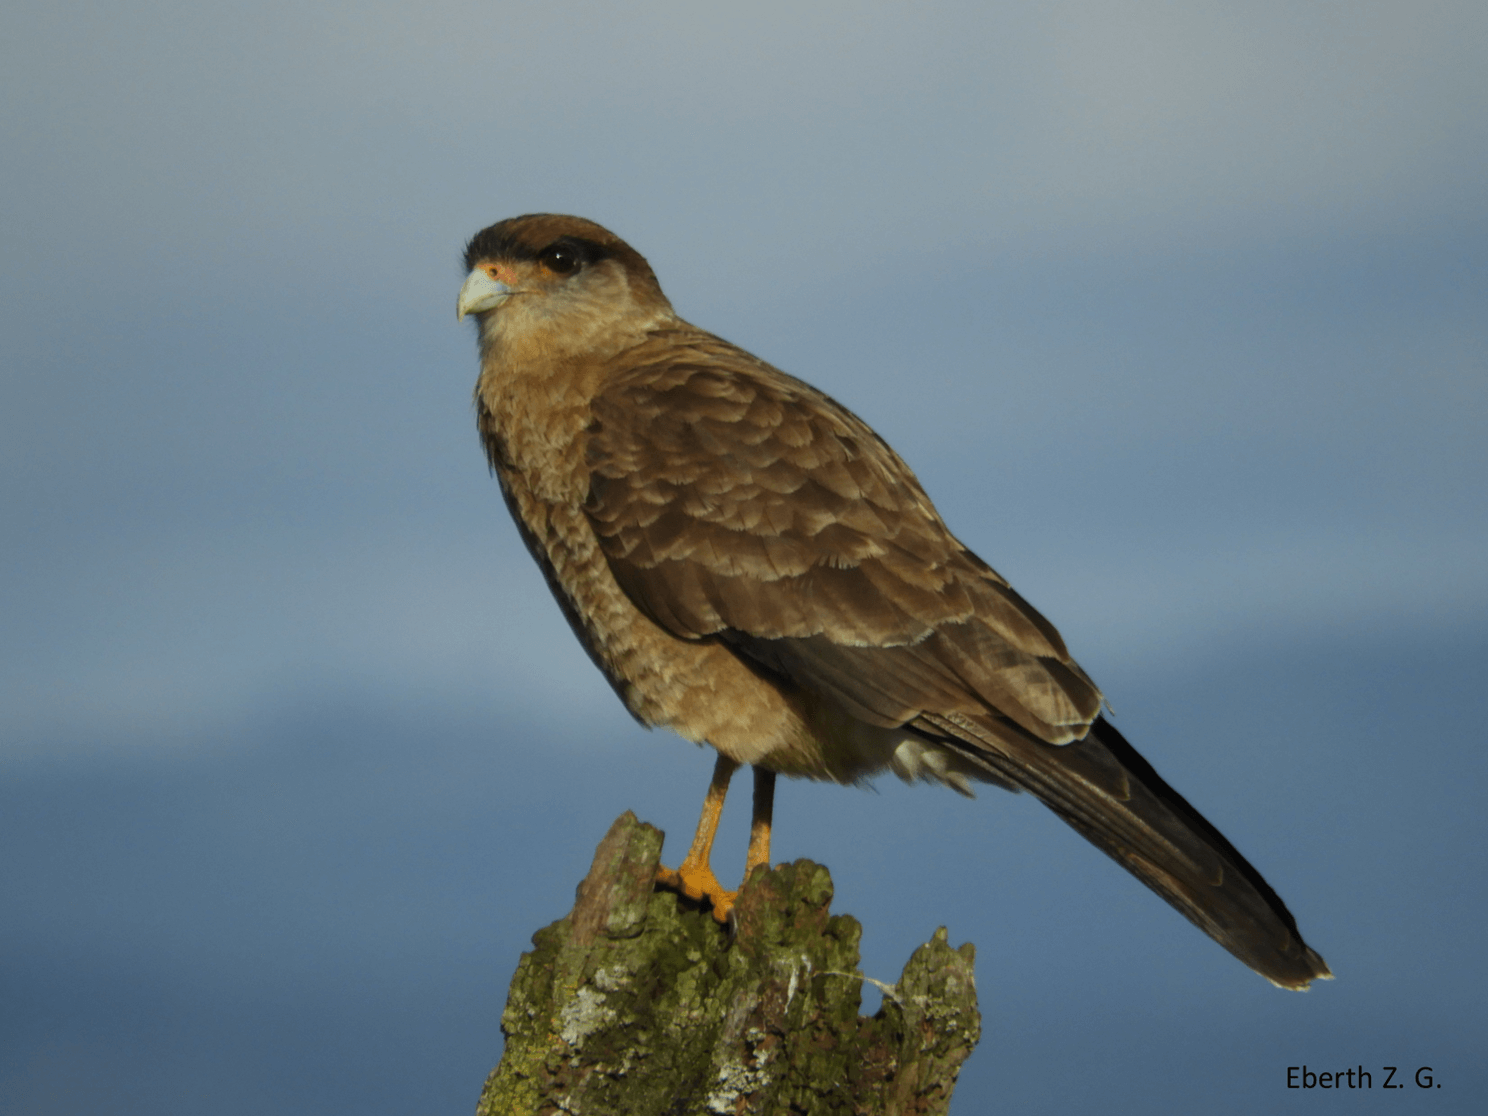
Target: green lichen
(639, 1002)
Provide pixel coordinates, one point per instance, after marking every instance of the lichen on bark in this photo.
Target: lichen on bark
(639, 1002)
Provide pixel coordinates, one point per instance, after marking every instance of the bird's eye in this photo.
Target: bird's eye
(560, 259)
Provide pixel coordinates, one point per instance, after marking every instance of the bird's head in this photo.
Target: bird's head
(563, 281)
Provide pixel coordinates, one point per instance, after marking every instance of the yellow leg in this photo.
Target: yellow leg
(694, 877)
(759, 826)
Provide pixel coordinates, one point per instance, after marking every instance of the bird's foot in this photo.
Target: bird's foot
(697, 882)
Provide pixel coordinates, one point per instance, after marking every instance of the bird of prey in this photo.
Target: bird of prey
(751, 566)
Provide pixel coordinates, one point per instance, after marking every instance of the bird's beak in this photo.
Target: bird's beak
(480, 292)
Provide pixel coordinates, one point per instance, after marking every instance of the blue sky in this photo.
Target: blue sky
(1177, 310)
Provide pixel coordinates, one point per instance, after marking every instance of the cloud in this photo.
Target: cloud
(1179, 268)
(848, 130)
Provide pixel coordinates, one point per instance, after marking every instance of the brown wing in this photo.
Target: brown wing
(735, 501)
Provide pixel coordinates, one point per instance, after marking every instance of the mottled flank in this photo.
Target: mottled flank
(751, 566)
(638, 1002)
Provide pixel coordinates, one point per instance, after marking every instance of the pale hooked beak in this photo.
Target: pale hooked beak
(480, 292)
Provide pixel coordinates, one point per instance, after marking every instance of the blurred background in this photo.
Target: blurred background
(1180, 311)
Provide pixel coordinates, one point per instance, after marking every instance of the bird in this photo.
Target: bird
(751, 566)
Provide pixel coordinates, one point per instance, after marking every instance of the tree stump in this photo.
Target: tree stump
(639, 1002)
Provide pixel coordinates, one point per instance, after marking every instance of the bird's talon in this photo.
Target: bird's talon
(698, 883)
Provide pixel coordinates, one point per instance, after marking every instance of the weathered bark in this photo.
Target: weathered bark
(639, 1002)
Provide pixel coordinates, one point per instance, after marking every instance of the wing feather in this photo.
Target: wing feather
(733, 501)
(737, 504)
